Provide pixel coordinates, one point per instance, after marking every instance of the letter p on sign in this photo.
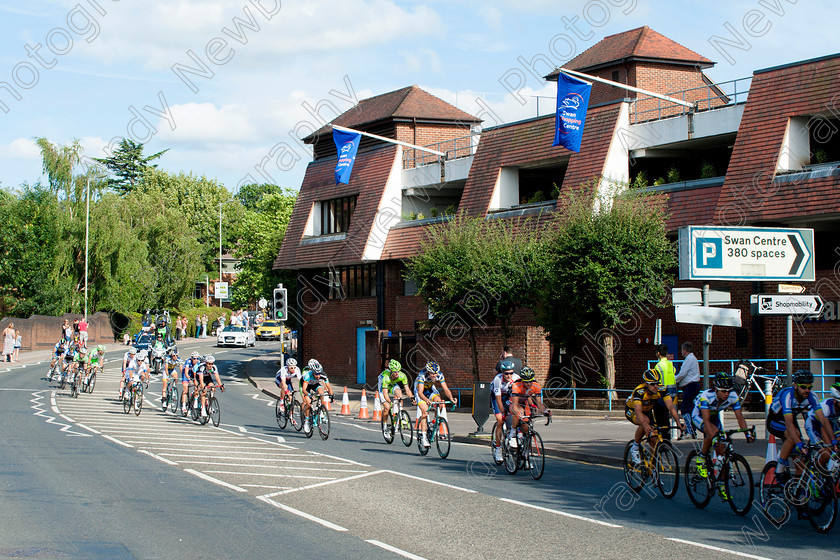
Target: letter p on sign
(709, 253)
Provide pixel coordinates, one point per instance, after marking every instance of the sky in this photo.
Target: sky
(230, 86)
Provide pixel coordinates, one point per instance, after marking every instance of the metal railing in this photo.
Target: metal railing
(712, 96)
(455, 148)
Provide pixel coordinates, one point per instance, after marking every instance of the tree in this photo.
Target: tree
(251, 195)
(128, 164)
(602, 266)
(472, 272)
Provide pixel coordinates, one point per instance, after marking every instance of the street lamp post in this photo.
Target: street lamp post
(87, 244)
(220, 244)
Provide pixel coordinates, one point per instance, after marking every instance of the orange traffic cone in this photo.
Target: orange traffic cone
(326, 400)
(377, 409)
(345, 403)
(363, 410)
(772, 454)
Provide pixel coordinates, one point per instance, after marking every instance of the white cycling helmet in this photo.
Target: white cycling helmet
(143, 355)
(315, 366)
(291, 362)
(132, 350)
(835, 390)
(195, 355)
(210, 359)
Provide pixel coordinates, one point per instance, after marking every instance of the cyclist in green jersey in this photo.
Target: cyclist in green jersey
(392, 382)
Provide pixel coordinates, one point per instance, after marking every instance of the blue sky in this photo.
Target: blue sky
(103, 69)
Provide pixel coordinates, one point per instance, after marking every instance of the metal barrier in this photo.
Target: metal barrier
(455, 148)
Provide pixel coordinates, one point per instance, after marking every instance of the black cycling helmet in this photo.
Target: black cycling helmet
(527, 374)
(507, 365)
(723, 381)
(803, 377)
(651, 376)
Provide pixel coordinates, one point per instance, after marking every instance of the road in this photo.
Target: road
(81, 479)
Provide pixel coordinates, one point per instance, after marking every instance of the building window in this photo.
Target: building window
(823, 140)
(354, 281)
(615, 75)
(336, 214)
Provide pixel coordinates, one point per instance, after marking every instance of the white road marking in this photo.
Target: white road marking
(158, 457)
(710, 547)
(88, 428)
(264, 486)
(394, 549)
(283, 467)
(356, 426)
(117, 441)
(338, 458)
(275, 475)
(563, 513)
(249, 453)
(318, 520)
(433, 482)
(215, 480)
(279, 459)
(318, 484)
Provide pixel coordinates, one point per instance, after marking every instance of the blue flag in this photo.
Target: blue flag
(347, 143)
(572, 101)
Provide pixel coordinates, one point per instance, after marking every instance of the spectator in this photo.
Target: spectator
(179, 327)
(8, 342)
(83, 332)
(689, 378)
(126, 338)
(75, 328)
(66, 330)
(667, 376)
(204, 325)
(197, 326)
(215, 326)
(18, 344)
(185, 327)
(508, 355)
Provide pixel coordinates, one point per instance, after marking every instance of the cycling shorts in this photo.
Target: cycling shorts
(495, 406)
(698, 424)
(776, 425)
(630, 414)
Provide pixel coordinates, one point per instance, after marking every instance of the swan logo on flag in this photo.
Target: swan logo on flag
(572, 101)
(347, 144)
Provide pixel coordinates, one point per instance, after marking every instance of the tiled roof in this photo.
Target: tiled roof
(749, 192)
(370, 175)
(407, 103)
(640, 43)
(695, 207)
(529, 142)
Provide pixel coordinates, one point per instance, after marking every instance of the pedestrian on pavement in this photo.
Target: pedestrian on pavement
(668, 379)
(507, 354)
(8, 342)
(66, 330)
(83, 332)
(689, 378)
(204, 326)
(18, 344)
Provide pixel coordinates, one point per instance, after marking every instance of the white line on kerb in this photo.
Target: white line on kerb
(394, 549)
(563, 513)
(318, 520)
(432, 482)
(710, 547)
(115, 440)
(158, 457)
(215, 480)
(318, 484)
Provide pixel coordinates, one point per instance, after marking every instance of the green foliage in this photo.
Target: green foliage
(538, 196)
(603, 266)
(128, 164)
(707, 170)
(640, 181)
(251, 195)
(820, 156)
(673, 175)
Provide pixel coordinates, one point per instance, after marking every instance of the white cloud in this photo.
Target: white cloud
(24, 148)
(205, 122)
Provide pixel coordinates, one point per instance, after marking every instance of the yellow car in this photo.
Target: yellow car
(270, 330)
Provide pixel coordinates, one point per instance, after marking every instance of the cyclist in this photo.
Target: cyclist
(706, 416)
(133, 372)
(426, 393)
(313, 379)
(206, 372)
(639, 406)
(79, 364)
(143, 366)
(58, 354)
(284, 379)
(501, 387)
(189, 372)
(69, 358)
(831, 409)
(524, 393)
(781, 420)
(393, 381)
(170, 364)
(129, 360)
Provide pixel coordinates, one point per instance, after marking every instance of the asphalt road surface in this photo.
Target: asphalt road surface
(79, 478)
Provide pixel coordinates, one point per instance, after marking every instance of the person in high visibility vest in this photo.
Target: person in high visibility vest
(668, 376)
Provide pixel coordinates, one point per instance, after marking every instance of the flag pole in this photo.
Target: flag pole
(576, 74)
(391, 140)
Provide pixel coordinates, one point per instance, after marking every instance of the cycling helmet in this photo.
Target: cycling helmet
(209, 359)
(835, 390)
(507, 365)
(100, 349)
(394, 365)
(651, 376)
(132, 350)
(195, 355)
(143, 355)
(161, 323)
(82, 350)
(433, 367)
(291, 362)
(723, 381)
(803, 377)
(315, 367)
(527, 374)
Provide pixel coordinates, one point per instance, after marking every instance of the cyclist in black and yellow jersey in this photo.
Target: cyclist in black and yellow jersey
(639, 405)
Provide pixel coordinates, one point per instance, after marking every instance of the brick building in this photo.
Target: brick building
(762, 153)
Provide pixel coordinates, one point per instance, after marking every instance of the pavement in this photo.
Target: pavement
(591, 436)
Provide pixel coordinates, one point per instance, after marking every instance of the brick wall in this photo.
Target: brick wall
(428, 134)
(41, 332)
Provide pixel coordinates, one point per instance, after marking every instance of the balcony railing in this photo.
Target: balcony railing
(455, 148)
(712, 96)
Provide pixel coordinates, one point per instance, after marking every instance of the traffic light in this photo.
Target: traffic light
(280, 304)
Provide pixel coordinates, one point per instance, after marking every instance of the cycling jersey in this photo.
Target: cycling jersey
(519, 391)
(388, 384)
(283, 374)
(502, 388)
(311, 380)
(831, 409)
(206, 371)
(708, 400)
(189, 369)
(642, 397)
(426, 387)
(786, 403)
(95, 360)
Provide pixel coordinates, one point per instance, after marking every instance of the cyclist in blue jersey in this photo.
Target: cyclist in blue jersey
(313, 379)
(189, 373)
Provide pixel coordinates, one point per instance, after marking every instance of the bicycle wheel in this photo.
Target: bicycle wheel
(634, 473)
(406, 432)
(74, 388)
(738, 481)
(324, 422)
(667, 469)
(62, 380)
(91, 383)
(138, 402)
(771, 496)
(699, 487)
(535, 455)
(295, 414)
(420, 447)
(127, 400)
(443, 438)
(386, 424)
(509, 456)
(195, 408)
(214, 411)
(308, 421)
(280, 414)
(174, 401)
(50, 374)
(822, 505)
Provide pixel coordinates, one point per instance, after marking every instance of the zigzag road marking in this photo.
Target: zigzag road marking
(39, 406)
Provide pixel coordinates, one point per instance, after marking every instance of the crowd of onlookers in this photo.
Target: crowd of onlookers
(11, 343)
(183, 327)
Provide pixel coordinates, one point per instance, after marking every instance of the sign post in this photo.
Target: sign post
(788, 305)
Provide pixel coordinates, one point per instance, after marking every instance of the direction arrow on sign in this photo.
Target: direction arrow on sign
(698, 315)
(786, 304)
(747, 253)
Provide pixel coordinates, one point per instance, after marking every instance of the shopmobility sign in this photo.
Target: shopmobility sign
(746, 253)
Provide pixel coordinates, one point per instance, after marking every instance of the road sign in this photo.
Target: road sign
(699, 315)
(221, 290)
(786, 304)
(694, 296)
(262, 303)
(791, 289)
(746, 253)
